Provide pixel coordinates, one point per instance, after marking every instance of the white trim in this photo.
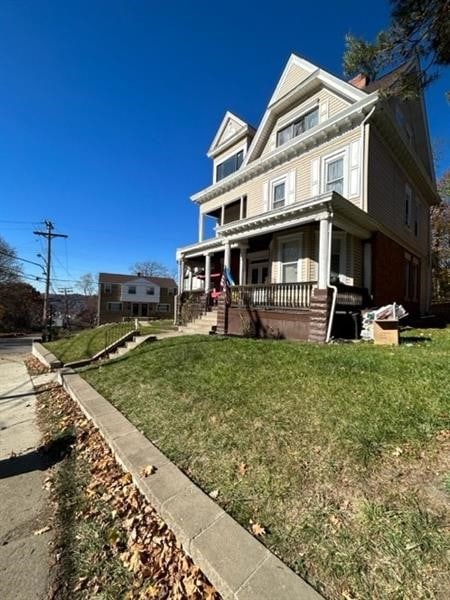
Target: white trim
(274, 183)
(354, 168)
(228, 116)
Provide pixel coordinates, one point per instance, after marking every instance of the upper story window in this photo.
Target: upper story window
(150, 291)
(298, 127)
(229, 166)
(278, 193)
(334, 174)
(107, 288)
(408, 205)
(131, 289)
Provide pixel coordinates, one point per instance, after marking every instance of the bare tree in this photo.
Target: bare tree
(10, 269)
(86, 284)
(150, 268)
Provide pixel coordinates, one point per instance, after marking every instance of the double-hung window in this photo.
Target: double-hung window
(278, 193)
(334, 174)
(298, 127)
(131, 289)
(290, 261)
(150, 291)
(229, 166)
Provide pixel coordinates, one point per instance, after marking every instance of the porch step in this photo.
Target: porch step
(205, 324)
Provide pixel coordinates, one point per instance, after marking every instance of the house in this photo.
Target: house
(125, 296)
(321, 209)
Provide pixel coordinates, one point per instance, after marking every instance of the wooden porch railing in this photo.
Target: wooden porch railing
(351, 297)
(286, 296)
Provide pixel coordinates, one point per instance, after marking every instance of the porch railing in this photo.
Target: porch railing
(351, 297)
(286, 296)
(191, 305)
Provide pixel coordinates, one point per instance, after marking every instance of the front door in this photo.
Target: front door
(135, 310)
(258, 272)
(144, 310)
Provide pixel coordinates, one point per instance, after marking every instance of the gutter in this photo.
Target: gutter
(365, 167)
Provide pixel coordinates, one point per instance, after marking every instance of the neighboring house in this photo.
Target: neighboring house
(125, 296)
(334, 186)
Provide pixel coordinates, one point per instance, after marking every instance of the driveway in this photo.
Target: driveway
(24, 556)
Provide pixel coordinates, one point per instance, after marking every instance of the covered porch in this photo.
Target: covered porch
(280, 264)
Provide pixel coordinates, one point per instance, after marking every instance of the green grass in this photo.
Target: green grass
(85, 344)
(157, 326)
(344, 462)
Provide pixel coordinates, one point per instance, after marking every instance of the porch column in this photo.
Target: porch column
(207, 272)
(180, 275)
(190, 279)
(243, 264)
(201, 226)
(227, 255)
(324, 252)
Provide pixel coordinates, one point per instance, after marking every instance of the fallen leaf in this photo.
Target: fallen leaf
(242, 469)
(148, 470)
(397, 451)
(258, 529)
(214, 494)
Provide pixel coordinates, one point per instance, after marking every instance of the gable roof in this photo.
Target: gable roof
(299, 75)
(130, 278)
(231, 129)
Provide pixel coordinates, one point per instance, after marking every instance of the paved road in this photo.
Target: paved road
(24, 557)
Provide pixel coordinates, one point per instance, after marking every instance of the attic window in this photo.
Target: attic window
(229, 166)
(298, 127)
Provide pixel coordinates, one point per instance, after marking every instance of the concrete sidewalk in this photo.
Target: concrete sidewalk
(24, 557)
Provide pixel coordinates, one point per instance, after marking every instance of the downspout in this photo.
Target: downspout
(364, 167)
(329, 285)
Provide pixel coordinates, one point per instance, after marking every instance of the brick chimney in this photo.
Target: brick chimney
(360, 81)
(138, 274)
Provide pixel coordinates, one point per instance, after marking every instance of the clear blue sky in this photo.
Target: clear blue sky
(108, 107)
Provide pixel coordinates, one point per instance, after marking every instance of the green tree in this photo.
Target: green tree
(419, 28)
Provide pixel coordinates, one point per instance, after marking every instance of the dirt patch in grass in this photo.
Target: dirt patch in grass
(345, 449)
(110, 543)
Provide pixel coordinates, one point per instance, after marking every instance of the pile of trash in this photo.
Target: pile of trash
(390, 312)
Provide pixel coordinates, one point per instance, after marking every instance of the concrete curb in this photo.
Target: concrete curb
(237, 564)
(45, 356)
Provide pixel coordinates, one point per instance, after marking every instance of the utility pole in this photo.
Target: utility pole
(66, 291)
(49, 235)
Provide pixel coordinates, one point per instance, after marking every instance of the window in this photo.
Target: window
(229, 166)
(131, 289)
(334, 175)
(289, 261)
(107, 288)
(278, 193)
(114, 306)
(408, 204)
(417, 217)
(163, 307)
(150, 291)
(298, 127)
(171, 291)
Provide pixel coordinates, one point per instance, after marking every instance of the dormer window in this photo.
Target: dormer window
(131, 289)
(229, 166)
(297, 127)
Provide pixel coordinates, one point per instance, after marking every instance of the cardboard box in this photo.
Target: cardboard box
(386, 332)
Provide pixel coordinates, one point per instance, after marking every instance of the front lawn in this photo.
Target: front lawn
(88, 342)
(340, 453)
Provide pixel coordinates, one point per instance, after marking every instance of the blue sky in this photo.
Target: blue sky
(108, 107)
